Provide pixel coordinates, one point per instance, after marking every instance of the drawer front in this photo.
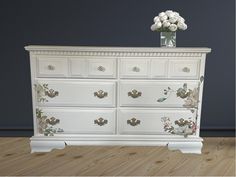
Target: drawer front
(78, 67)
(102, 68)
(134, 68)
(159, 93)
(75, 93)
(188, 69)
(159, 68)
(56, 121)
(179, 122)
(52, 67)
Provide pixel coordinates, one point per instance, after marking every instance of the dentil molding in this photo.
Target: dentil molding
(118, 52)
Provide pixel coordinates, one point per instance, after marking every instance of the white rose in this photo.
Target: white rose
(176, 14)
(185, 26)
(163, 18)
(168, 12)
(166, 23)
(173, 20)
(159, 24)
(162, 14)
(154, 27)
(182, 25)
(181, 19)
(173, 27)
(171, 15)
(156, 19)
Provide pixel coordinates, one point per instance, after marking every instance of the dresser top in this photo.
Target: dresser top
(120, 49)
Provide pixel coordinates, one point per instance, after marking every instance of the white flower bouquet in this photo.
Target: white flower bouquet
(168, 21)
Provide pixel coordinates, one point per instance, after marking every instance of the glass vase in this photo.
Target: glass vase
(168, 39)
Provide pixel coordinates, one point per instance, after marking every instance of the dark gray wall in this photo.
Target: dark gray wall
(114, 23)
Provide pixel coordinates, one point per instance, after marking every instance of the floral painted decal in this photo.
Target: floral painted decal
(43, 91)
(182, 126)
(46, 125)
(191, 97)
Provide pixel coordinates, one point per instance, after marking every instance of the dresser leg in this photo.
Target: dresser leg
(186, 147)
(46, 146)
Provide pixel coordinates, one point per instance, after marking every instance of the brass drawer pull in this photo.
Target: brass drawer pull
(186, 69)
(51, 93)
(134, 93)
(100, 94)
(133, 122)
(100, 121)
(136, 69)
(101, 68)
(43, 92)
(52, 121)
(51, 67)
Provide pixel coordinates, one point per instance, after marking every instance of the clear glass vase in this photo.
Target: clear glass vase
(168, 39)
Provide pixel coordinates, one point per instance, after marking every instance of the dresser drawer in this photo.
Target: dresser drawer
(52, 67)
(92, 68)
(159, 93)
(149, 121)
(75, 93)
(186, 69)
(73, 121)
(102, 68)
(134, 68)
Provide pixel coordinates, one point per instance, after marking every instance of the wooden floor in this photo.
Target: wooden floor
(218, 159)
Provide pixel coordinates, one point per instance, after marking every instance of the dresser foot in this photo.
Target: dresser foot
(186, 147)
(46, 146)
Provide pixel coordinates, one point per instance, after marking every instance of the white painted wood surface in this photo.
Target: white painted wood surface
(80, 93)
(76, 73)
(151, 91)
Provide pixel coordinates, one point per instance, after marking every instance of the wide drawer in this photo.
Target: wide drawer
(75, 93)
(56, 121)
(159, 93)
(149, 121)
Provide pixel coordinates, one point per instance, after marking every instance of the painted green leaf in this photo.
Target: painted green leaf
(161, 99)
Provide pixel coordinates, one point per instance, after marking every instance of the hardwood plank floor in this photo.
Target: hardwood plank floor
(217, 159)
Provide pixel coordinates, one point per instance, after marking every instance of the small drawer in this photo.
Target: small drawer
(75, 93)
(165, 121)
(134, 68)
(184, 69)
(74, 121)
(52, 67)
(102, 68)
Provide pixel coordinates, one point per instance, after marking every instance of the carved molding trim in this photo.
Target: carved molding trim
(118, 51)
(117, 54)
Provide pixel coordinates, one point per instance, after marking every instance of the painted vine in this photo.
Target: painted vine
(43, 92)
(190, 96)
(181, 127)
(46, 125)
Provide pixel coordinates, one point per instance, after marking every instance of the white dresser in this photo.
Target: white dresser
(117, 96)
